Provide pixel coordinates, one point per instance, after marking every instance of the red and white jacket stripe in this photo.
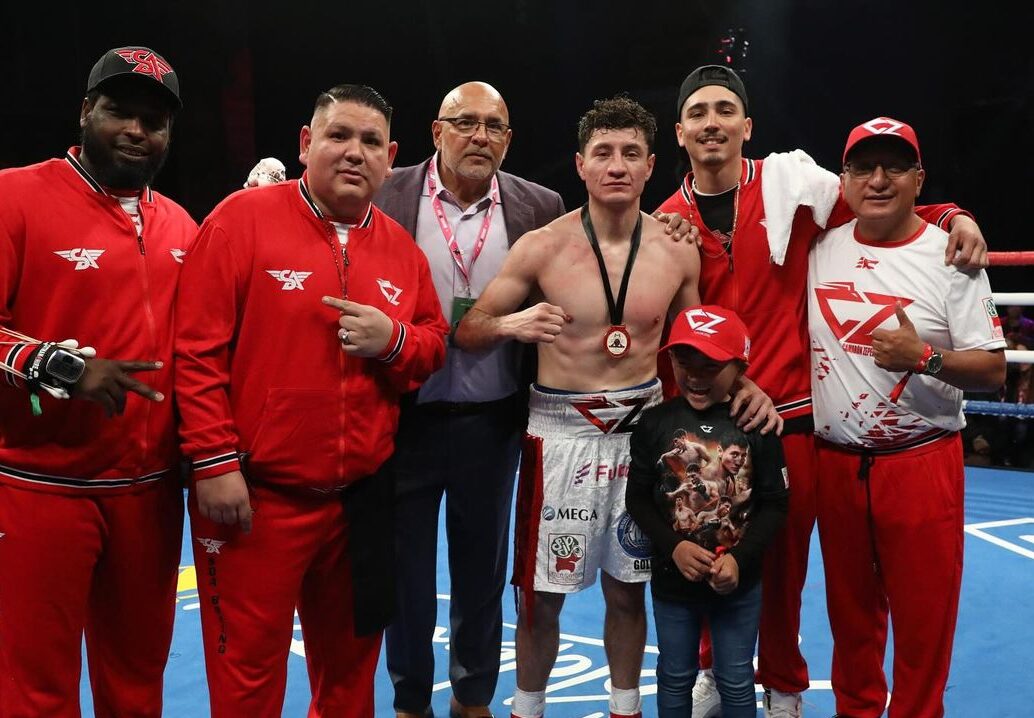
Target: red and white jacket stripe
(73, 266)
(259, 366)
(771, 299)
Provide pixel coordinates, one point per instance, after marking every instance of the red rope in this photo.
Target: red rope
(1010, 259)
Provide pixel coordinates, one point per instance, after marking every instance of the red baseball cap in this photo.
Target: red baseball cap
(883, 127)
(715, 331)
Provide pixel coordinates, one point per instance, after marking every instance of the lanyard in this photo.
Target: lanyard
(447, 233)
(617, 310)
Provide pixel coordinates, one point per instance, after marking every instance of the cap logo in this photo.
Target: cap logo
(883, 126)
(147, 63)
(703, 322)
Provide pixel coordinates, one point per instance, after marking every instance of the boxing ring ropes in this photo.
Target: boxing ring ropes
(1012, 356)
(993, 408)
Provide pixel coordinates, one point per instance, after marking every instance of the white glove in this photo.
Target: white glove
(268, 171)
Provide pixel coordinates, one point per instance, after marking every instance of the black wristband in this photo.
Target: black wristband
(34, 373)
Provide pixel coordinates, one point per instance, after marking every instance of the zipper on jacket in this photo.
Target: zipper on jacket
(341, 266)
(152, 327)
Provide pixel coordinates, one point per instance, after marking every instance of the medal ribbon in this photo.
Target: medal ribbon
(617, 311)
(450, 238)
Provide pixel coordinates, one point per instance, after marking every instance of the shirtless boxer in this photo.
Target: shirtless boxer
(605, 277)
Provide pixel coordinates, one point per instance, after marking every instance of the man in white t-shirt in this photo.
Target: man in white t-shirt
(896, 336)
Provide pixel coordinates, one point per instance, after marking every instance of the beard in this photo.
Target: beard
(111, 171)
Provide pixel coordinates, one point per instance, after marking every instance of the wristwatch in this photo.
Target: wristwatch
(934, 363)
(64, 367)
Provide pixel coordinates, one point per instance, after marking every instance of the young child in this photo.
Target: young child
(706, 565)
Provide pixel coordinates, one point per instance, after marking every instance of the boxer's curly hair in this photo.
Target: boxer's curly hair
(620, 112)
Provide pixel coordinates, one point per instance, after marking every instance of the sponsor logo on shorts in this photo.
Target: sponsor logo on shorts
(608, 416)
(634, 542)
(569, 513)
(596, 475)
(566, 552)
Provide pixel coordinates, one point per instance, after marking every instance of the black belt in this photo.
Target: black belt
(463, 408)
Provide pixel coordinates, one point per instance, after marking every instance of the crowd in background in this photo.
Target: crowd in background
(1003, 440)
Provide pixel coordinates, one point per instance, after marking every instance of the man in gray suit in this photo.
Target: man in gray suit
(459, 436)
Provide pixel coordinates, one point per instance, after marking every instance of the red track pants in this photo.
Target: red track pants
(105, 565)
(915, 526)
(295, 556)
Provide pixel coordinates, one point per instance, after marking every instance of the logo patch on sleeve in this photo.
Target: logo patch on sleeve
(992, 317)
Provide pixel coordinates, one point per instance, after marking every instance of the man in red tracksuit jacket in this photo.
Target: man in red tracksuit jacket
(91, 506)
(722, 197)
(304, 312)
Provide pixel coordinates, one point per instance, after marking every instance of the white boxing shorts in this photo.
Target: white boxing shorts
(571, 518)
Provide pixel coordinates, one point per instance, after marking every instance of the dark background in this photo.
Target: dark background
(961, 73)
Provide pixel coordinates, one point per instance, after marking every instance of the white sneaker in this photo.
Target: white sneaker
(706, 701)
(782, 705)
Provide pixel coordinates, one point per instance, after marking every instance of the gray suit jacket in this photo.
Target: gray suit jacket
(526, 205)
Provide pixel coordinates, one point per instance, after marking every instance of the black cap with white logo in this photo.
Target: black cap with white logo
(142, 62)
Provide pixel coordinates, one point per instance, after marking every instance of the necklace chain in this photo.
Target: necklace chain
(725, 240)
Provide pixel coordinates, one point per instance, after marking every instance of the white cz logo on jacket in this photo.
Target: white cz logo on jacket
(390, 291)
(83, 258)
(290, 278)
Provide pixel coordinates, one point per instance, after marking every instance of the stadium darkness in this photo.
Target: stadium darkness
(962, 75)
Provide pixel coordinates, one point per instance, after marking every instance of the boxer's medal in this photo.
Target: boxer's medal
(617, 340)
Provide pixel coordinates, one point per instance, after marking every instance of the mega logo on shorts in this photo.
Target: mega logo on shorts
(634, 543)
(569, 513)
(566, 552)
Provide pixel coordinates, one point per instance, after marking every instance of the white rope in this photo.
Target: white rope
(1017, 299)
(1014, 356)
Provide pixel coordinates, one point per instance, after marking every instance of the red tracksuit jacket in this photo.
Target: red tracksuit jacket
(259, 366)
(73, 266)
(771, 299)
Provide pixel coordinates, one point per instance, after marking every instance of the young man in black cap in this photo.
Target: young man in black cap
(746, 267)
(91, 506)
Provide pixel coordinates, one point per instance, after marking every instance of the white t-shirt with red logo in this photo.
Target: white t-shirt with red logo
(853, 287)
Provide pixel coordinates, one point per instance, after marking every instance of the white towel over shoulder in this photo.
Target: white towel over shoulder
(790, 180)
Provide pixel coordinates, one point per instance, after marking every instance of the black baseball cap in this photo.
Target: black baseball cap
(711, 75)
(135, 61)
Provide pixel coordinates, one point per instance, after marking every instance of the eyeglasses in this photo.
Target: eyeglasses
(468, 127)
(893, 170)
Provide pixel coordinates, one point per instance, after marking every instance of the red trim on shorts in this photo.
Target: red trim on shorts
(528, 516)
